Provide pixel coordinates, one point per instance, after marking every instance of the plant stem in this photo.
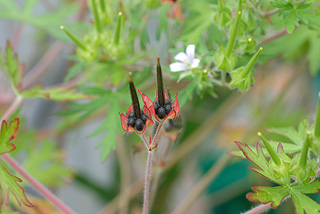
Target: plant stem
(12, 108)
(37, 185)
(154, 140)
(147, 183)
(275, 36)
(258, 209)
(145, 141)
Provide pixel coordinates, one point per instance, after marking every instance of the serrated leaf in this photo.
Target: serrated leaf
(9, 186)
(268, 194)
(58, 94)
(7, 134)
(11, 67)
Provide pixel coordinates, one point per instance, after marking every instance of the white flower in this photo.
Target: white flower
(187, 61)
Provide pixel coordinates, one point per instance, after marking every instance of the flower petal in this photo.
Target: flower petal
(182, 57)
(190, 52)
(147, 101)
(124, 122)
(178, 66)
(195, 63)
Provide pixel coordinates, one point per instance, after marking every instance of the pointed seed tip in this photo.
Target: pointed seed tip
(261, 48)
(61, 27)
(130, 77)
(259, 134)
(239, 12)
(120, 13)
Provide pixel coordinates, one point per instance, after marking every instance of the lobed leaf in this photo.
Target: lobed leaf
(9, 185)
(7, 134)
(265, 195)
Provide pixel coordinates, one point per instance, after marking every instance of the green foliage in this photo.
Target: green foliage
(7, 134)
(11, 67)
(58, 94)
(8, 182)
(9, 185)
(48, 21)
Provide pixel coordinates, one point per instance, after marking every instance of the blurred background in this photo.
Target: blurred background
(78, 150)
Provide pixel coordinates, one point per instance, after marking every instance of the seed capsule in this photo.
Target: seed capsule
(139, 124)
(161, 113)
(131, 122)
(168, 108)
(156, 105)
(167, 102)
(144, 118)
(131, 115)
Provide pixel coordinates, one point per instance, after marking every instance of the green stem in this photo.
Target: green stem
(304, 153)
(272, 153)
(96, 16)
(221, 7)
(73, 38)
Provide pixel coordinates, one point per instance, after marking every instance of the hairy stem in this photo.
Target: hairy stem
(145, 141)
(43, 190)
(11, 109)
(259, 208)
(154, 140)
(147, 183)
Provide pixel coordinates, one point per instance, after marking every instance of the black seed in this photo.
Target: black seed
(168, 108)
(139, 124)
(144, 118)
(131, 122)
(167, 102)
(131, 115)
(156, 105)
(161, 113)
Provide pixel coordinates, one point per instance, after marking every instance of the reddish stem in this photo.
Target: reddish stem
(11, 109)
(258, 209)
(275, 36)
(147, 183)
(154, 140)
(37, 185)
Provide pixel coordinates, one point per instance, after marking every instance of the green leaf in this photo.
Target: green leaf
(45, 163)
(9, 185)
(109, 141)
(58, 94)
(186, 94)
(10, 65)
(7, 134)
(268, 194)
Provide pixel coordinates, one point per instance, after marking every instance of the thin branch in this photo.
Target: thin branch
(43, 190)
(147, 183)
(17, 36)
(267, 14)
(260, 208)
(275, 36)
(146, 143)
(11, 109)
(154, 140)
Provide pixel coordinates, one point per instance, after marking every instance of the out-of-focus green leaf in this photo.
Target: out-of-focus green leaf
(59, 94)
(9, 186)
(10, 65)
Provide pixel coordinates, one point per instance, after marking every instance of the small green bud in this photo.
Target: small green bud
(223, 62)
(118, 29)
(80, 44)
(242, 78)
(272, 153)
(223, 16)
